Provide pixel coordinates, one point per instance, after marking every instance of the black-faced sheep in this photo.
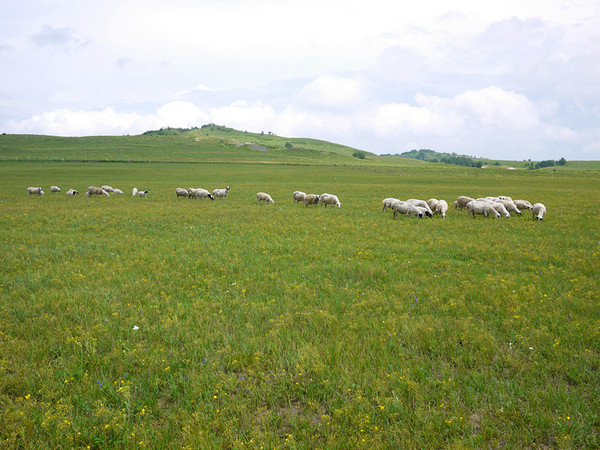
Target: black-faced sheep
(538, 211)
(72, 193)
(221, 192)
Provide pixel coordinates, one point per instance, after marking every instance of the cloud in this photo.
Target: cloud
(330, 91)
(56, 37)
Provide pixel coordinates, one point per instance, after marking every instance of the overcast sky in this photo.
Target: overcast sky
(510, 79)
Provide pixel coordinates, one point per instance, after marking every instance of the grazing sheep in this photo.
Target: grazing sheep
(221, 192)
(406, 208)
(523, 204)
(482, 208)
(504, 197)
(108, 189)
(432, 203)
(501, 209)
(180, 192)
(463, 200)
(34, 191)
(54, 189)
(93, 190)
(425, 212)
(298, 196)
(421, 203)
(441, 208)
(311, 199)
(455, 204)
(142, 194)
(117, 191)
(200, 193)
(72, 193)
(261, 196)
(134, 192)
(388, 203)
(538, 211)
(509, 205)
(330, 199)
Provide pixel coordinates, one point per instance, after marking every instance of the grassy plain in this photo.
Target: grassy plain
(286, 326)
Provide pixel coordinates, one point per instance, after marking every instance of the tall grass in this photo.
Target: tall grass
(171, 322)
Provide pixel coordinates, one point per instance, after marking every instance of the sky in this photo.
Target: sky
(516, 79)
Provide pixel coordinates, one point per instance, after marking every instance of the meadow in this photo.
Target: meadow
(169, 322)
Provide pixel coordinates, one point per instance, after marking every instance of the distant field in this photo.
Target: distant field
(170, 323)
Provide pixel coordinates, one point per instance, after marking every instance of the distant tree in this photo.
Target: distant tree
(360, 155)
(289, 145)
(561, 162)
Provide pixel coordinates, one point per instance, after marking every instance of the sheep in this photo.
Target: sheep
(509, 205)
(142, 194)
(108, 189)
(463, 200)
(501, 209)
(54, 189)
(261, 196)
(523, 204)
(421, 203)
(93, 190)
(311, 199)
(504, 197)
(199, 193)
(432, 203)
(35, 190)
(455, 204)
(221, 192)
(406, 208)
(72, 193)
(425, 212)
(180, 192)
(117, 191)
(441, 208)
(134, 192)
(538, 211)
(388, 203)
(482, 208)
(298, 196)
(330, 199)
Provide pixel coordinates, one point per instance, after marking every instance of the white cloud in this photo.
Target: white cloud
(332, 92)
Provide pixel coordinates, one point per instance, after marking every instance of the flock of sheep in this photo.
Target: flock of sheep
(495, 207)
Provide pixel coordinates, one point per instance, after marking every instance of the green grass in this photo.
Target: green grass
(286, 326)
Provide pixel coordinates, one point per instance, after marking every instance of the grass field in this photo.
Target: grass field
(174, 323)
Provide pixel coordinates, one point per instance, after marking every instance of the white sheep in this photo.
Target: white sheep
(509, 205)
(298, 196)
(388, 203)
(406, 208)
(108, 189)
(422, 204)
(425, 212)
(329, 199)
(93, 190)
(54, 189)
(72, 193)
(441, 208)
(311, 199)
(117, 191)
(142, 194)
(261, 196)
(463, 200)
(523, 204)
(504, 197)
(482, 208)
(432, 203)
(221, 192)
(498, 206)
(180, 192)
(200, 193)
(134, 192)
(538, 211)
(35, 190)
